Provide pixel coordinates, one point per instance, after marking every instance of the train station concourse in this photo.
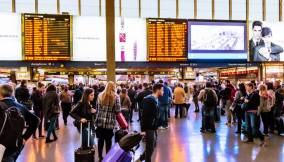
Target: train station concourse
(141, 81)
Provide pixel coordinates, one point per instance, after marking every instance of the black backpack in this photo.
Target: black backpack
(11, 128)
(209, 98)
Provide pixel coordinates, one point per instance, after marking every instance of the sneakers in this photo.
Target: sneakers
(48, 140)
(161, 128)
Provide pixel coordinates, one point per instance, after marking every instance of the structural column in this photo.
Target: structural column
(13, 6)
(110, 40)
(36, 6)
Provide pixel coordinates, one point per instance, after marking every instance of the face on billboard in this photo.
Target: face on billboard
(267, 42)
(257, 32)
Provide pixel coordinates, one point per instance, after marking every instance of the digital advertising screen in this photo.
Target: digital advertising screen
(266, 41)
(217, 40)
(46, 37)
(130, 39)
(10, 37)
(167, 39)
(89, 38)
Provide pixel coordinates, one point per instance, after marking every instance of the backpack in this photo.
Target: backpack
(12, 128)
(209, 98)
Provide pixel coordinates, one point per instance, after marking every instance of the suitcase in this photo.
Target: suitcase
(119, 134)
(114, 154)
(125, 157)
(82, 154)
(217, 114)
(121, 121)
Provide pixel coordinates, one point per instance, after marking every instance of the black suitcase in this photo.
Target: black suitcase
(217, 114)
(280, 125)
(85, 154)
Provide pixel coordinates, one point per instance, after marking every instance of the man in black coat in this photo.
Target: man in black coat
(256, 40)
(22, 94)
(147, 91)
(149, 121)
(78, 93)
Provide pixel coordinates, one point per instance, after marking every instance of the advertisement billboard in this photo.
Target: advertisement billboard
(266, 41)
(217, 40)
(10, 37)
(89, 38)
(130, 39)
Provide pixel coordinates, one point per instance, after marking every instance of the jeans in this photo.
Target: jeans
(240, 116)
(66, 108)
(252, 121)
(265, 116)
(40, 115)
(104, 136)
(179, 110)
(163, 118)
(208, 121)
(151, 139)
(85, 132)
(195, 101)
(51, 128)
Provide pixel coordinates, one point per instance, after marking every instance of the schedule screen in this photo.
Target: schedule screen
(167, 39)
(46, 37)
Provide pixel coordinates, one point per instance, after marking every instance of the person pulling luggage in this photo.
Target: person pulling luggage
(82, 113)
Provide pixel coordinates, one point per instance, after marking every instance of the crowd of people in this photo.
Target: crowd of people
(247, 105)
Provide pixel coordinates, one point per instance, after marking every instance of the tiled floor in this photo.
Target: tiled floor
(181, 143)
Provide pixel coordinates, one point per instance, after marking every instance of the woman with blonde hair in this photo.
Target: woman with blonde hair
(108, 105)
(267, 100)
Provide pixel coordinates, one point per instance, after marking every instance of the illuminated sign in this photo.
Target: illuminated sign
(46, 37)
(167, 39)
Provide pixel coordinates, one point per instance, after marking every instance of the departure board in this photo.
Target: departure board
(46, 37)
(167, 39)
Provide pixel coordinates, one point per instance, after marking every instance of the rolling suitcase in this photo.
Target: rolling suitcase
(85, 154)
(114, 154)
(121, 121)
(217, 114)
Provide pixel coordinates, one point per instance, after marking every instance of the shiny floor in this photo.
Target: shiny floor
(182, 142)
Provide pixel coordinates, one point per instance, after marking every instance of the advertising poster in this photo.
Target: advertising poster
(89, 38)
(10, 37)
(217, 40)
(130, 39)
(266, 41)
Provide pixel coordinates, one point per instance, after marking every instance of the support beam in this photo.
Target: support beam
(139, 9)
(213, 9)
(159, 8)
(195, 9)
(79, 7)
(13, 6)
(280, 9)
(263, 10)
(36, 6)
(177, 9)
(230, 10)
(58, 6)
(110, 39)
(100, 7)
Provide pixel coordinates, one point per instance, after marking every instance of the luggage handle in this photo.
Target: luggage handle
(89, 133)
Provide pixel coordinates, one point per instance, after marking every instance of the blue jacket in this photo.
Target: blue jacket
(164, 100)
(31, 120)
